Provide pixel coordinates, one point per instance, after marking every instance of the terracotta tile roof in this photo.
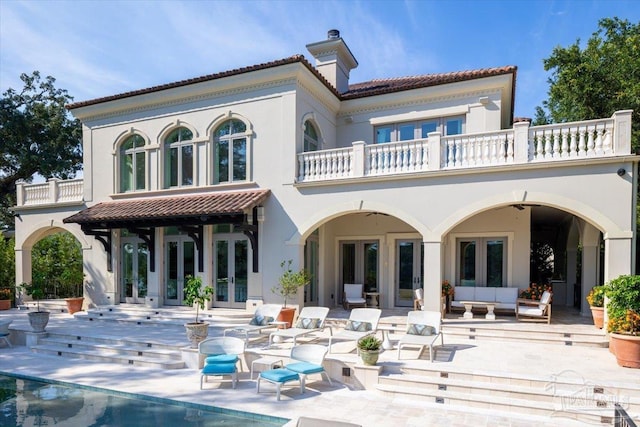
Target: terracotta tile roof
(381, 86)
(163, 208)
(286, 61)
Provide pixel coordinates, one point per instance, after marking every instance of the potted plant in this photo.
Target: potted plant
(288, 284)
(596, 303)
(369, 349)
(196, 294)
(38, 319)
(6, 297)
(447, 294)
(623, 309)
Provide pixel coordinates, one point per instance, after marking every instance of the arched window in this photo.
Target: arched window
(230, 152)
(178, 160)
(133, 164)
(310, 137)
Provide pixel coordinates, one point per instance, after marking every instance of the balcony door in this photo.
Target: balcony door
(482, 261)
(180, 262)
(230, 270)
(409, 271)
(133, 278)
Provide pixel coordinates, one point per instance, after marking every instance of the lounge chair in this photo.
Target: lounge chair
(528, 310)
(262, 318)
(423, 329)
(353, 296)
(306, 359)
(310, 319)
(4, 331)
(362, 322)
(222, 358)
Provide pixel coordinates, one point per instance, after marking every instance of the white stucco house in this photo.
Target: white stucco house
(395, 183)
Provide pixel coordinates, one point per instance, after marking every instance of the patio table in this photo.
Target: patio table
(468, 305)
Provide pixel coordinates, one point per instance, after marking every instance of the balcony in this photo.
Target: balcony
(592, 139)
(54, 191)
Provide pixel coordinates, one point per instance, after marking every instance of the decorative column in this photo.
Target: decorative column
(432, 275)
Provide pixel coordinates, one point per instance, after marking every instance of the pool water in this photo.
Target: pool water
(31, 402)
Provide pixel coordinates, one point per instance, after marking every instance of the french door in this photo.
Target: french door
(409, 271)
(359, 261)
(180, 262)
(133, 278)
(230, 270)
(482, 261)
(311, 264)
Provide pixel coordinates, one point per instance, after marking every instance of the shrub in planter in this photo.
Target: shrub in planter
(623, 309)
(6, 298)
(369, 348)
(38, 319)
(596, 303)
(196, 294)
(288, 284)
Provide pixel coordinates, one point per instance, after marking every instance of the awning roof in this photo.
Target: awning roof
(213, 208)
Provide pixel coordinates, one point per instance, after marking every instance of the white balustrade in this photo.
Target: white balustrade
(396, 157)
(483, 149)
(52, 191)
(324, 165)
(593, 138)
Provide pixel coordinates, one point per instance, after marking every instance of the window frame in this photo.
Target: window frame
(480, 267)
(178, 145)
(395, 130)
(308, 139)
(134, 153)
(230, 138)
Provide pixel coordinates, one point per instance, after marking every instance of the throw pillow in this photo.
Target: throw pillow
(358, 326)
(307, 323)
(260, 320)
(418, 329)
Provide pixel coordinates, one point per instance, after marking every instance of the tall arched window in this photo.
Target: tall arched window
(178, 160)
(230, 152)
(310, 137)
(133, 164)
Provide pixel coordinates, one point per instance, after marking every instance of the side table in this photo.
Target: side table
(269, 361)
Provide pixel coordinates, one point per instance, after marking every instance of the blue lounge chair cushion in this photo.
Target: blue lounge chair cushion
(305, 368)
(280, 375)
(221, 358)
(219, 368)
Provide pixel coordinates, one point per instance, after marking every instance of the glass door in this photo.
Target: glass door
(180, 262)
(482, 261)
(311, 264)
(133, 280)
(359, 264)
(409, 271)
(230, 269)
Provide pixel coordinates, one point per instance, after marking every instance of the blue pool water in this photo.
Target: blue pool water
(31, 402)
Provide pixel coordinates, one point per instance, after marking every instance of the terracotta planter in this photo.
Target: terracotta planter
(598, 316)
(196, 332)
(5, 304)
(369, 357)
(38, 320)
(286, 315)
(74, 304)
(627, 350)
(612, 348)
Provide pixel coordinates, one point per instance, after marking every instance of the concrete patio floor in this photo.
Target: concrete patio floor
(337, 401)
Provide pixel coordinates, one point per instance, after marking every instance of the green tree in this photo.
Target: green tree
(57, 264)
(37, 135)
(596, 81)
(7, 262)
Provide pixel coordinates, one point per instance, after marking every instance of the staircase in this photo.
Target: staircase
(565, 397)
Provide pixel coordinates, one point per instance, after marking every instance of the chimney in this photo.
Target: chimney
(334, 60)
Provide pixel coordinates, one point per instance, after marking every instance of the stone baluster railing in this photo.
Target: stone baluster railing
(52, 191)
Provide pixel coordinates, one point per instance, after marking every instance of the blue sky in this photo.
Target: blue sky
(100, 48)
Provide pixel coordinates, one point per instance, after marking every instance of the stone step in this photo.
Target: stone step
(136, 349)
(544, 411)
(522, 335)
(98, 355)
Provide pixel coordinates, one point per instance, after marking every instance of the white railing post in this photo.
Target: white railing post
(622, 132)
(53, 189)
(358, 158)
(521, 142)
(20, 193)
(435, 151)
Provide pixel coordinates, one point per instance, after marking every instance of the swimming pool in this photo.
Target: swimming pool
(26, 401)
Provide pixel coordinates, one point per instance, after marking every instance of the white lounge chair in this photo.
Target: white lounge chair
(423, 329)
(534, 311)
(222, 355)
(362, 322)
(353, 296)
(310, 319)
(262, 318)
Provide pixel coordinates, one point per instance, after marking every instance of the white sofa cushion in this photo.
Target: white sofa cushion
(485, 294)
(464, 293)
(507, 295)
